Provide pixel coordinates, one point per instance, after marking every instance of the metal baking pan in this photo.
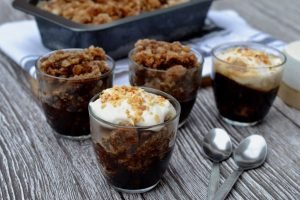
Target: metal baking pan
(118, 37)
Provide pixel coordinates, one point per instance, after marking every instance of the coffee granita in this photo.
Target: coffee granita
(133, 133)
(68, 79)
(169, 67)
(246, 82)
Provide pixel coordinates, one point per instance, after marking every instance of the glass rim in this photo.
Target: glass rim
(197, 54)
(147, 89)
(38, 71)
(229, 45)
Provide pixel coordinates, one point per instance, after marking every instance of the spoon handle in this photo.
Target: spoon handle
(227, 185)
(214, 181)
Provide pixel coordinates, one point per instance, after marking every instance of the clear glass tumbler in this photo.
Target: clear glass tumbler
(244, 88)
(133, 158)
(65, 100)
(183, 85)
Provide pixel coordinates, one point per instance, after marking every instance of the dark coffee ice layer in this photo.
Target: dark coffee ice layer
(186, 108)
(241, 103)
(124, 177)
(67, 123)
(65, 104)
(134, 159)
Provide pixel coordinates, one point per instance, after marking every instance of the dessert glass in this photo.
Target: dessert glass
(182, 86)
(65, 100)
(134, 158)
(244, 95)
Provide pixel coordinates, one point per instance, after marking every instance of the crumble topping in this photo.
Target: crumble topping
(163, 55)
(83, 63)
(246, 57)
(254, 68)
(103, 11)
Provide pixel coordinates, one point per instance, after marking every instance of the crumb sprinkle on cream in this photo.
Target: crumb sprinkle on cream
(136, 105)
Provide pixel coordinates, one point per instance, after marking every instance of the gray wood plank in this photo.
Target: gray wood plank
(279, 18)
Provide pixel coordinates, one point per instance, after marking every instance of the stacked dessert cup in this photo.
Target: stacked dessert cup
(132, 157)
(170, 67)
(246, 78)
(65, 89)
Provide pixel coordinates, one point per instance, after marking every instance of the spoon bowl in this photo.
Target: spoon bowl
(217, 145)
(251, 152)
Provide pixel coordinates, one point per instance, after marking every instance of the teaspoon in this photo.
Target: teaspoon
(218, 147)
(250, 153)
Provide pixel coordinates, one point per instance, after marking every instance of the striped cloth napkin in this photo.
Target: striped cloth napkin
(22, 42)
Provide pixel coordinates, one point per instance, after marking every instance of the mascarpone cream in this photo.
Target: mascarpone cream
(250, 67)
(133, 106)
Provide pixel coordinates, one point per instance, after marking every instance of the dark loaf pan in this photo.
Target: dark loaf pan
(118, 37)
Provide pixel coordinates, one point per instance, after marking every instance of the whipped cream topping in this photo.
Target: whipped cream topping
(133, 106)
(250, 67)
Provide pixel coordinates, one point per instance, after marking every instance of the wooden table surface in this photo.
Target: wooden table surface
(34, 164)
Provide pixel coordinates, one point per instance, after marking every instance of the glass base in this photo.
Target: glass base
(136, 191)
(69, 137)
(237, 123)
(181, 124)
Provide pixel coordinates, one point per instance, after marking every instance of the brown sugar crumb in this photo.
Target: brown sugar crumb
(102, 11)
(90, 62)
(251, 54)
(157, 118)
(137, 98)
(163, 55)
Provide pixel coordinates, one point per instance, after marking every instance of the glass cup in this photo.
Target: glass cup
(134, 158)
(181, 85)
(244, 95)
(65, 100)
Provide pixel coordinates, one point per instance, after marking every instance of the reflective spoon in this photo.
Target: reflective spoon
(218, 147)
(250, 153)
